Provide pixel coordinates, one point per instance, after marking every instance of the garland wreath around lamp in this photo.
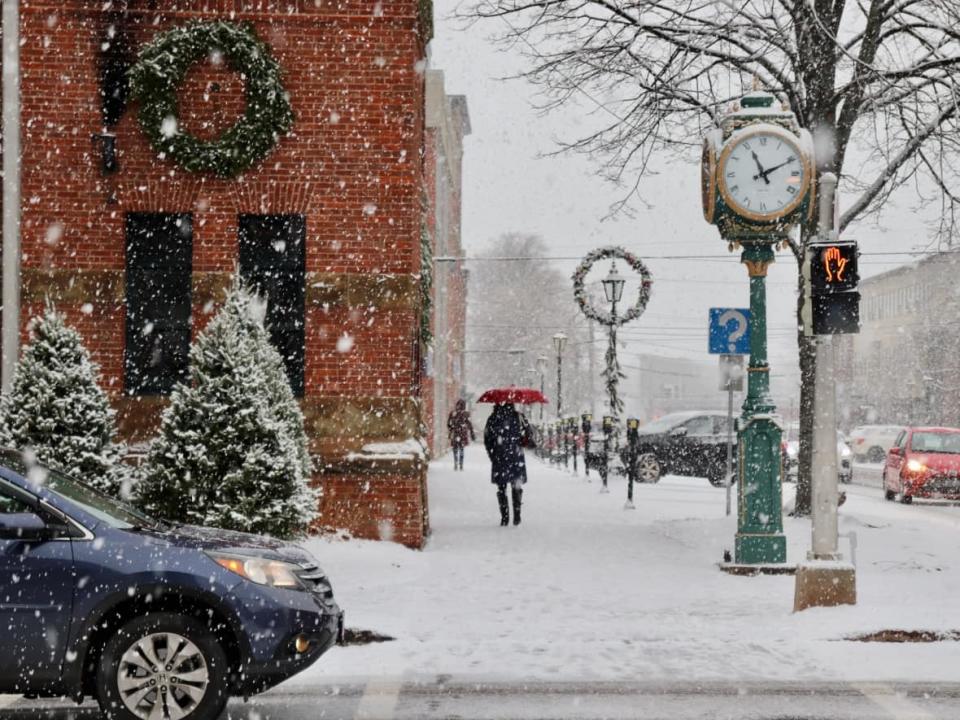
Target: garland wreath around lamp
(161, 68)
(612, 253)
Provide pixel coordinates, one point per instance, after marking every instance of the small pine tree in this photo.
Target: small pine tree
(225, 456)
(57, 408)
(249, 310)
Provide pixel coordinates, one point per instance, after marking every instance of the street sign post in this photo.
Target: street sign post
(731, 380)
(729, 331)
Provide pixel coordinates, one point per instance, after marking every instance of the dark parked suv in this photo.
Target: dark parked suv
(685, 443)
(152, 619)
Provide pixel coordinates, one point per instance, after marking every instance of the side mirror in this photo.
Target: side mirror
(25, 526)
(679, 431)
(895, 451)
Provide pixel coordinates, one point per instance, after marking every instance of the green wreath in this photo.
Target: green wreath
(161, 68)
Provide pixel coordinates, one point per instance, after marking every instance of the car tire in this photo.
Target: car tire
(717, 478)
(889, 495)
(128, 684)
(648, 468)
(876, 455)
(906, 499)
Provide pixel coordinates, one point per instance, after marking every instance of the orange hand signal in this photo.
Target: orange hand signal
(833, 257)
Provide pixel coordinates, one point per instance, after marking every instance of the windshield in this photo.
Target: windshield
(935, 442)
(665, 423)
(112, 511)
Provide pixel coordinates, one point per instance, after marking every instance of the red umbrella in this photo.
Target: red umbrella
(523, 396)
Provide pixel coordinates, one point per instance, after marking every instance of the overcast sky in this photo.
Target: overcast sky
(511, 185)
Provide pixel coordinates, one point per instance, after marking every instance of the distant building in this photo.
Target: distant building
(657, 385)
(904, 365)
(447, 123)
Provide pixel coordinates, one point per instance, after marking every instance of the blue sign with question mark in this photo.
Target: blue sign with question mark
(729, 331)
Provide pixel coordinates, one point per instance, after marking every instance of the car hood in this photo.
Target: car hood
(938, 462)
(204, 538)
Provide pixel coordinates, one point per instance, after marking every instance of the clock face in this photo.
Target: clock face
(763, 175)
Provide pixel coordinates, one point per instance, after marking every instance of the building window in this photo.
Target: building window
(159, 251)
(273, 261)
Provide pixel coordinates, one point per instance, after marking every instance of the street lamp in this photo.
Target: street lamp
(559, 342)
(613, 286)
(542, 369)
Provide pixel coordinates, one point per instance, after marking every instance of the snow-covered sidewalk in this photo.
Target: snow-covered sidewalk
(586, 590)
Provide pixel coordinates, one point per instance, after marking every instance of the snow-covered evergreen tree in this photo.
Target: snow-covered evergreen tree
(225, 455)
(57, 408)
(250, 310)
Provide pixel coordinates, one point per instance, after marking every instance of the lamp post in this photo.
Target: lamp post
(542, 369)
(559, 342)
(613, 288)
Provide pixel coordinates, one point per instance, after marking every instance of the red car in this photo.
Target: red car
(924, 462)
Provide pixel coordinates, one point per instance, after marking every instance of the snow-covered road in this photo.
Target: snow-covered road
(585, 590)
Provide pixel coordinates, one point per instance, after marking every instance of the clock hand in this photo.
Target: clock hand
(762, 173)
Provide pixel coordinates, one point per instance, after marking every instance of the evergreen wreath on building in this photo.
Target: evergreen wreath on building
(161, 68)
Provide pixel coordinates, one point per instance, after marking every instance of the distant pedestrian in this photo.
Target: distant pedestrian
(461, 432)
(506, 434)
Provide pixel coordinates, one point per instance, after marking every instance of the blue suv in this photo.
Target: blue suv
(152, 619)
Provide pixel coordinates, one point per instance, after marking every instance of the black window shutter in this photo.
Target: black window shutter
(273, 258)
(159, 250)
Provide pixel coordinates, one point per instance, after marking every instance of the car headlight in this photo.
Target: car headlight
(915, 466)
(272, 573)
(791, 451)
(845, 452)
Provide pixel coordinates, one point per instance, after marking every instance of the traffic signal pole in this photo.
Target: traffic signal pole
(825, 490)
(825, 579)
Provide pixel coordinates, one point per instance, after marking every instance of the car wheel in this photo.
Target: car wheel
(648, 468)
(906, 499)
(889, 494)
(717, 477)
(876, 455)
(163, 666)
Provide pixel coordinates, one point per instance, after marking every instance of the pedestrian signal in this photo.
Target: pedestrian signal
(833, 267)
(834, 301)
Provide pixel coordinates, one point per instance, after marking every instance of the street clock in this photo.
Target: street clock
(757, 171)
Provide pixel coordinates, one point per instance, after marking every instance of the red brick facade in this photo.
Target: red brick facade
(353, 165)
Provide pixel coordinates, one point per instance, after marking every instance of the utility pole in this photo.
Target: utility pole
(11, 194)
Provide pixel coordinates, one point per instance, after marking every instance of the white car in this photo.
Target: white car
(871, 442)
(791, 451)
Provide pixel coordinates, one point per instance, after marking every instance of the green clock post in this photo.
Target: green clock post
(756, 178)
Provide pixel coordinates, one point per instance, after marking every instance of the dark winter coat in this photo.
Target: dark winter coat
(459, 426)
(504, 437)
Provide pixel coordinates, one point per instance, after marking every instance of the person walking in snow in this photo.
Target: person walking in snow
(461, 432)
(506, 434)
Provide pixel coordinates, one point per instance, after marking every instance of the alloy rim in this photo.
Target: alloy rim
(648, 467)
(162, 676)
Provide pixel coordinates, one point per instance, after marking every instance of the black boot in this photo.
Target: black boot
(504, 508)
(517, 502)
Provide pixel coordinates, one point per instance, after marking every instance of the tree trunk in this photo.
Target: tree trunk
(808, 378)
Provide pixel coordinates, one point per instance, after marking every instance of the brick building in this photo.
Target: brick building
(329, 223)
(447, 122)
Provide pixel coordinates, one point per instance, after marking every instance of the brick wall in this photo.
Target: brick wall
(352, 165)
